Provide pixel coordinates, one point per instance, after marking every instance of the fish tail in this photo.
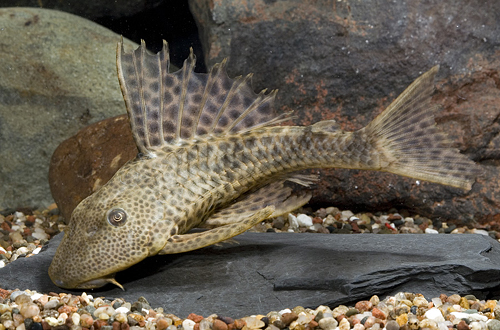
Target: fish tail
(407, 142)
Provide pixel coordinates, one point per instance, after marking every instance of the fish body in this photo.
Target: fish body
(210, 156)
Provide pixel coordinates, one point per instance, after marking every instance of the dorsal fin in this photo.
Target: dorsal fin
(169, 108)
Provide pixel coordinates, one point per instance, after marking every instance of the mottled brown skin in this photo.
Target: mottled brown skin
(209, 158)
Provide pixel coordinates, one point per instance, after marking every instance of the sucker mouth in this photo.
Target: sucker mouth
(92, 284)
(99, 282)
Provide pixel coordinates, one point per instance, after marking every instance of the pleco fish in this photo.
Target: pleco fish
(211, 156)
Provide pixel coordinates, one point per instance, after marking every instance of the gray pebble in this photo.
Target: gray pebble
(392, 325)
(493, 324)
(51, 304)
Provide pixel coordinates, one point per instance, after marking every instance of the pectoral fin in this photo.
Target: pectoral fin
(189, 242)
(275, 194)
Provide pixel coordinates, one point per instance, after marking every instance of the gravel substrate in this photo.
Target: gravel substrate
(27, 310)
(24, 232)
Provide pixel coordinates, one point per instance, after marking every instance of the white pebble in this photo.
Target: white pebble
(2, 250)
(292, 220)
(40, 234)
(21, 327)
(75, 317)
(304, 318)
(283, 311)
(2, 263)
(437, 302)
(434, 314)
(431, 231)
(22, 250)
(328, 323)
(473, 317)
(479, 231)
(344, 324)
(188, 324)
(36, 296)
(36, 251)
(122, 309)
(345, 215)
(304, 220)
(52, 321)
(477, 326)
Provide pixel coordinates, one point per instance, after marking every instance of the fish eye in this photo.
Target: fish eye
(116, 216)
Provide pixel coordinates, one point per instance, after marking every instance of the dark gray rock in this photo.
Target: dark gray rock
(348, 60)
(272, 271)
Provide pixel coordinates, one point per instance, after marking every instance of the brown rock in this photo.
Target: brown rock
(462, 325)
(219, 325)
(378, 313)
(363, 305)
(194, 317)
(288, 318)
(86, 161)
(239, 323)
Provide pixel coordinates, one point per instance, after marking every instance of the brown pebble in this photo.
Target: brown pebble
(161, 324)
(99, 323)
(46, 326)
(116, 325)
(196, 326)
(194, 317)
(239, 323)
(369, 322)
(67, 309)
(288, 318)
(454, 299)
(378, 313)
(317, 220)
(462, 325)
(393, 217)
(219, 325)
(124, 326)
(363, 306)
(313, 324)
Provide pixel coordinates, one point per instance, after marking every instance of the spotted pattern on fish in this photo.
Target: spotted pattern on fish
(210, 157)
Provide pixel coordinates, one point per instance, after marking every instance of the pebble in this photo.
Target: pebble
(27, 310)
(304, 220)
(328, 323)
(188, 324)
(434, 314)
(344, 324)
(392, 325)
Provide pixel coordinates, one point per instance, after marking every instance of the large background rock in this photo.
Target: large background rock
(347, 60)
(271, 271)
(330, 59)
(57, 75)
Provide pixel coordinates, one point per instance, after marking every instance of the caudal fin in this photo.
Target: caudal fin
(407, 136)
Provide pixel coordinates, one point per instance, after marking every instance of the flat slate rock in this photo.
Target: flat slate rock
(271, 271)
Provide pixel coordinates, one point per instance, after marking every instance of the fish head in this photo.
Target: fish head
(108, 232)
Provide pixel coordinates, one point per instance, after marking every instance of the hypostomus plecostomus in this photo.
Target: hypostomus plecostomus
(211, 155)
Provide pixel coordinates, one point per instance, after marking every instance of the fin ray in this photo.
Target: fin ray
(406, 134)
(168, 108)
